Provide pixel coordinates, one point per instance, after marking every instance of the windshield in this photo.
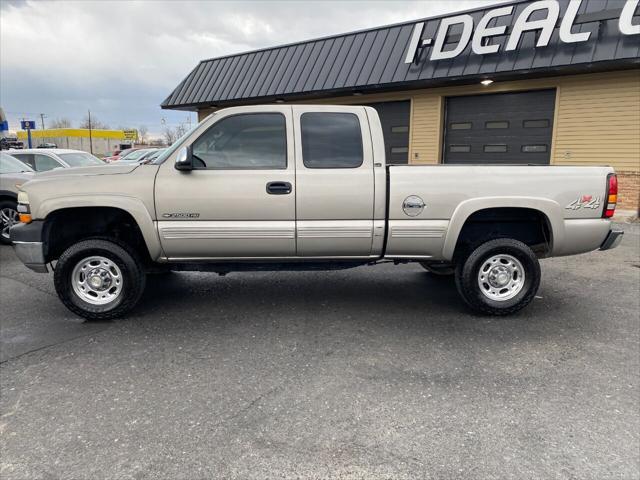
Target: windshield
(156, 154)
(176, 145)
(124, 153)
(80, 159)
(135, 155)
(9, 164)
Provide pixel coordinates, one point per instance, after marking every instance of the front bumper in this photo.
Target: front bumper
(32, 255)
(614, 237)
(28, 245)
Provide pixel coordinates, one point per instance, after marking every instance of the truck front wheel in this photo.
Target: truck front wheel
(499, 277)
(99, 279)
(8, 218)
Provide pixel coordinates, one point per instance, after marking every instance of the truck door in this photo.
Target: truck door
(239, 200)
(334, 181)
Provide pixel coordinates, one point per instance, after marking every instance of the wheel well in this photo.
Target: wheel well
(6, 196)
(530, 226)
(67, 226)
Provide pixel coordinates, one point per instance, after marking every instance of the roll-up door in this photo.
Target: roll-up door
(501, 128)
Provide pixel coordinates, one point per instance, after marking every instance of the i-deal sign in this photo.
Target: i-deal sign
(482, 33)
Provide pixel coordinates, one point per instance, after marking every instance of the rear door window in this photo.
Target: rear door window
(331, 140)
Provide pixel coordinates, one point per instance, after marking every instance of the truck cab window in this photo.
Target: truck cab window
(248, 141)
(331, 140)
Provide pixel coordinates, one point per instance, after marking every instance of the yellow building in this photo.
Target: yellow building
(100, 142)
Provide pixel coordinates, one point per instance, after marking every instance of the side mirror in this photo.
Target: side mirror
(184, 161)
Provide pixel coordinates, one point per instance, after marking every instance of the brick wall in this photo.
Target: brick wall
(628, 190)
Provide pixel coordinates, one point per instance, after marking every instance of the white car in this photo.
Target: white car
(42, 160)
(13, 173)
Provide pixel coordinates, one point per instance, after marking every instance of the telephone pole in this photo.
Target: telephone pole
(42, 115)
(90, 139)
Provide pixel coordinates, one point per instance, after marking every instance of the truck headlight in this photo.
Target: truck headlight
(24, 209)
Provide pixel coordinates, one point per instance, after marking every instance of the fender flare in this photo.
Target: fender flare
(132, 205)
(552, 210)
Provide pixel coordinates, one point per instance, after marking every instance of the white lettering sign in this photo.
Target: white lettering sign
(481, 36)
(625, 25)
(482, 31)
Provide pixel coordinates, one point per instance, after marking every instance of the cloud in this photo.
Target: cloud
(121, 59)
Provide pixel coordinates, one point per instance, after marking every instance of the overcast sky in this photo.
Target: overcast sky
(122, 58)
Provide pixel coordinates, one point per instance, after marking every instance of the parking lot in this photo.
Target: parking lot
(376, 372)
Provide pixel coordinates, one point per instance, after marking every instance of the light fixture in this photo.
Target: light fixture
(279, 100)
(486, 82)
(357, 93)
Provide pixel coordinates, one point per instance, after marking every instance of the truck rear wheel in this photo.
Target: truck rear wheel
(499, 277)
(99, 279)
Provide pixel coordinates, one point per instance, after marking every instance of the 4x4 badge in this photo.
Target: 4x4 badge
(585, 201)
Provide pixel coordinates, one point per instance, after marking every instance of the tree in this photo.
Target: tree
(173, 134)
(169, 135)
(60, 123)
(180, 130)
(95, 123)
(143, 133)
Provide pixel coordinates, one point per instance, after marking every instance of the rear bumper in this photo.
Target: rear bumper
(614, 237)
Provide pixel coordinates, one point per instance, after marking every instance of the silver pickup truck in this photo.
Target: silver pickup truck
(277, 187)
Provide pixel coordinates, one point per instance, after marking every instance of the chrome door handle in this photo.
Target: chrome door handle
(278, 188)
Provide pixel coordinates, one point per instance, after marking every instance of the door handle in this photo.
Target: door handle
(278, 188)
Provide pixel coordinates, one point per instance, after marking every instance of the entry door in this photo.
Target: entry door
(239, 201)
(501, 128)
(335, 182)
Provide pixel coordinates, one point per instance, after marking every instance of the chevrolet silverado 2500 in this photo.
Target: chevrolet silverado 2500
(276, 187)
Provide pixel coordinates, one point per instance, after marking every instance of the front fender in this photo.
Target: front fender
(552, 210)
(132, 205)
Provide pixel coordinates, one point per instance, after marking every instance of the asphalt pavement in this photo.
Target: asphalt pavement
(375, 372)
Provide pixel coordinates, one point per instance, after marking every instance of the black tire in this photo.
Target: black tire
(7, 206)
(439, 269)
(131, 268)
(467, 280)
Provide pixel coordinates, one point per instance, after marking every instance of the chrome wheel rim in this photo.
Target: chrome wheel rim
(8, 218)
(501, 277)
(97, 280)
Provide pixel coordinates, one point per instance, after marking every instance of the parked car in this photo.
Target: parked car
(118, 154)
(13, 173)
(137, 156)
(306, 187)
(8, 143)
(42, 160)
(47, 145)
(151, 157)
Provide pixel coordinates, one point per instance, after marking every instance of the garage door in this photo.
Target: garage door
(513, 128)
(394, 117)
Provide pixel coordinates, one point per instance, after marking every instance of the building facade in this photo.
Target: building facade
(532, 82)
